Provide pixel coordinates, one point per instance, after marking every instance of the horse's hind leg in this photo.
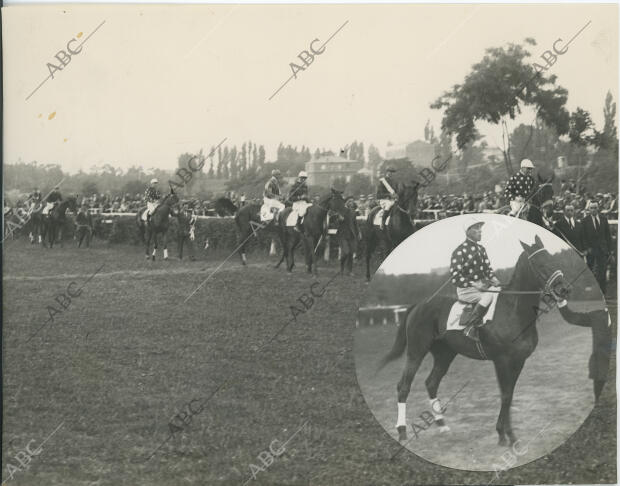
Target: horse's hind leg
(443, 356)
(420, 338)
(508, 372)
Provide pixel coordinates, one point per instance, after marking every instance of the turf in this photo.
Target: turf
(128, 354)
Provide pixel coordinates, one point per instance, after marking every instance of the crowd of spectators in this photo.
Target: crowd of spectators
(429, 206)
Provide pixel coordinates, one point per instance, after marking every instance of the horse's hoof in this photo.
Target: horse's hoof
(402, 433)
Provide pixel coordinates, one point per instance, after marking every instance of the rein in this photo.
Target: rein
(547, 290)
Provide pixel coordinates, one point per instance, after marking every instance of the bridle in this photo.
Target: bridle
(548, 289)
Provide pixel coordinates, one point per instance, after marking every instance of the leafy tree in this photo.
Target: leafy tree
(261, 156)
(90, 188)
(359, 184)
(497, 89)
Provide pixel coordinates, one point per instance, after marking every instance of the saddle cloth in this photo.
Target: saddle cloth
(298, 210)
(460, 312)
(378, 217)
(265, 213)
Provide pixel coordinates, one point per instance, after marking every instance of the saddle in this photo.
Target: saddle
(460, 314)
(266, 213)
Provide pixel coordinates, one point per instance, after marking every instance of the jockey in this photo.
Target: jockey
(271, 195)
(386, 193)
(298, 195)
(471, 273)
(52, 199)
(520, 187)
(152, 196)
(35, 198)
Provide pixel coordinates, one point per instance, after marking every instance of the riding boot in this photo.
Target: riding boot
(474, 322)
(298, 226)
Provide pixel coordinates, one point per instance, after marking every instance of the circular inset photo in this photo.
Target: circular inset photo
(482, 343)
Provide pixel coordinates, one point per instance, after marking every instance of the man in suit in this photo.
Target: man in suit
(569, 229)
(597, 243)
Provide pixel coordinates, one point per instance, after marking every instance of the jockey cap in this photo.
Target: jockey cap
(154, 180)
(527, 163)
(303, 173)
(471, 222)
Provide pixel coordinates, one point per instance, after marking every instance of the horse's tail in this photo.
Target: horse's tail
(400, 343)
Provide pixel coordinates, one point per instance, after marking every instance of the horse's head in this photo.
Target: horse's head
(334, 202)
(170, 199)
(551, 280)
(544, 193)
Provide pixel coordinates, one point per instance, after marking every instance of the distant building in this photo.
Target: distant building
(324, 169)
(419, 153)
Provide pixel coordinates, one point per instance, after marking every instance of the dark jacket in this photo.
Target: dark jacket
(573, 235)
(598, 239)
(299, 191)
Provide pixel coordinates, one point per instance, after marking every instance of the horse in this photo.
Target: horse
(56, 219)
(399, 227)
(248, 222)
(541, 202)
(313, 230)
(348, 235)
(37, 225)
(508, 340)
(157, 225)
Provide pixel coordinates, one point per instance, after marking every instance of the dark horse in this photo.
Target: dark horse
(399, 227)
(541, 201)
(508, 340)
(158, 225)
(55, 220)
(249, 223)
(313, 233)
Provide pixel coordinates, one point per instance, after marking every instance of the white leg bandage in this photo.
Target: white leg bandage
(402, 410)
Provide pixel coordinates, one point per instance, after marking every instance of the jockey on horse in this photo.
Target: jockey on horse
(52, 200)
(387, 193)
(272, 198)
(471, 273)
(35, 199)
(298, 195)
(520, 188)
(153, 197)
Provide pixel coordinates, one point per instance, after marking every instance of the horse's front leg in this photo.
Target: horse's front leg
(154, 246)
(508, 372)
(165, 243)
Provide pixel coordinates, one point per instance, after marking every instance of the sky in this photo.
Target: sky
(432, 246)
(156, 81)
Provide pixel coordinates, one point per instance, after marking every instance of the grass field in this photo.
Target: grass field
(128, 354)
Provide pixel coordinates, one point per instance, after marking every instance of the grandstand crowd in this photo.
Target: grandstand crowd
(429, 206)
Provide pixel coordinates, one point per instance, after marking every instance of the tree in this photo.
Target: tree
(497, 89)
(608, 138)
(89, 188)
(359, 184)
(261, 156)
